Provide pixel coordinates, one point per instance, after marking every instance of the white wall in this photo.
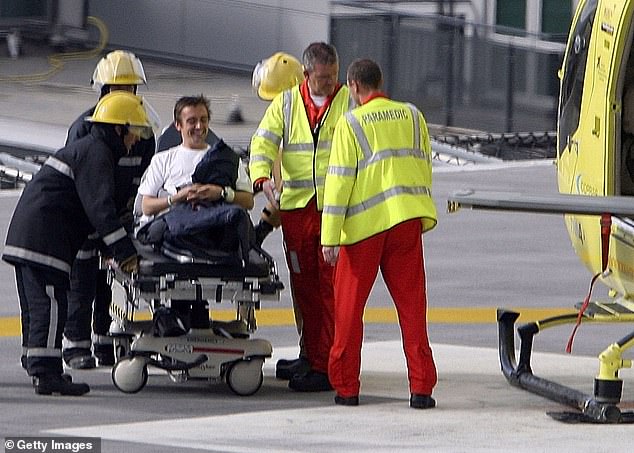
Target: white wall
(230, 33)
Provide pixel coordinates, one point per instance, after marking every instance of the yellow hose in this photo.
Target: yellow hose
(57, 60)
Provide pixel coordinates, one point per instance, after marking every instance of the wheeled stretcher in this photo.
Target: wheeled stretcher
(176, 287)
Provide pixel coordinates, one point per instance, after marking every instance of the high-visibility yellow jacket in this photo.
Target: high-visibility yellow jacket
(285, 128)
(379, 173)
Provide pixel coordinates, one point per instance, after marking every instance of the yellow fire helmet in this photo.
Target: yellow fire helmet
(126, 109)
(119, 67)
(275, 74)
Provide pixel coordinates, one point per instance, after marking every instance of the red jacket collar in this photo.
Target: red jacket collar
(313, 112)
(378, 94)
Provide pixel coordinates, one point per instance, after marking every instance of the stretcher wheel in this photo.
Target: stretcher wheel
(244, 377)
(121, 346)
(130, 374)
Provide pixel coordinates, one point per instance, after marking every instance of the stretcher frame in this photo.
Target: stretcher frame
(215, 352)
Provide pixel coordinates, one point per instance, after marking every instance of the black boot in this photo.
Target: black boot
(286, 369)
(47, 384)
(347, 400)
(313, 381)
(418, 401)
(79, 359)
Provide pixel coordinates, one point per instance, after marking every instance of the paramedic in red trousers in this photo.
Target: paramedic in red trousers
(71, 196)
(89, 296)
(299, 124)
(377, 204)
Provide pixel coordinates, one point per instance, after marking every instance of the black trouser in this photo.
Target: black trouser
(88, 285)
(43, 307)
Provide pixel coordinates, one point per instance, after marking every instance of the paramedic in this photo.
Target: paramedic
(72, 195)
(118, 70)
(377, 204)
(272, 76)
(298, 125)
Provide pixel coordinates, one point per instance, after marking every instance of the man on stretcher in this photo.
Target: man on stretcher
(168, 179)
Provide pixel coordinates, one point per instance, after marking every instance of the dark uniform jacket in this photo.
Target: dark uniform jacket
(129, 168)
(70, 197)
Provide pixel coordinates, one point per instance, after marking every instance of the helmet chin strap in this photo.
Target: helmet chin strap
(122, 130)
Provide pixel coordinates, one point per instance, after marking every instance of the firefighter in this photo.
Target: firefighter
(89, 297)
(377, 204)
(298, 125)
(71, 196)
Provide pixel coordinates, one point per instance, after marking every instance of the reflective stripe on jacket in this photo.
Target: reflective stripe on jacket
(304, 157)
(379, 173)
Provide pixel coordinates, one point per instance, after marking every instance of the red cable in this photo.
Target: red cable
(606, 227)
(585, 304)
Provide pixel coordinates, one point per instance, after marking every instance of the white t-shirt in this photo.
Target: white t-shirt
(173, 168)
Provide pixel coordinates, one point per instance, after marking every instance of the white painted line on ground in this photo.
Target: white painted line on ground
(471, 392)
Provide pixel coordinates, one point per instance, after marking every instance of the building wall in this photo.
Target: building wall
(239, 33)
(225, 33)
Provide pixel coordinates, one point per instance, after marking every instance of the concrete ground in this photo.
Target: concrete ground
(475, 261)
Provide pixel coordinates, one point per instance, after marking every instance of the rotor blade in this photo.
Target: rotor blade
(545, 204)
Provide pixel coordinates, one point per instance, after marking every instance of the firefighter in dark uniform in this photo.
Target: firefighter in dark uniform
(71, 196)
(119, 70)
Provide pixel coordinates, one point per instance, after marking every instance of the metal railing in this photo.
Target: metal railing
(459, 73)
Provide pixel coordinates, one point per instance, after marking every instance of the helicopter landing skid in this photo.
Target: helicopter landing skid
(590, 409)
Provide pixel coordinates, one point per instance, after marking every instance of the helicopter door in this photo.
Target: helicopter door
(600, 170)
(573, 75)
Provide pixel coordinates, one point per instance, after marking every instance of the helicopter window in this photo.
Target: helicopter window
(627, 128)
(574, 73)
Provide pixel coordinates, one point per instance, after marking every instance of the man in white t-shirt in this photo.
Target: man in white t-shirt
(168, 179)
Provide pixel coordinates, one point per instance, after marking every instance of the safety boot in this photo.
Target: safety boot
(347, 400)
(418, 401)
(286, 369)
(313, 381)
(47, 384)
(81, 362)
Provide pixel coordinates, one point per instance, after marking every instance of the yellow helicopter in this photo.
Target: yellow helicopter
(595, 169)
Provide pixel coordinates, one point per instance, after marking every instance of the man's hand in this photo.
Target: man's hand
(271, 215)
(271, 193)
(184, 194)
(331, 254)
(130, 264)
(206, 192)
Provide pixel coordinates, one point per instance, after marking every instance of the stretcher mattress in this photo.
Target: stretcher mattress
(217, 264)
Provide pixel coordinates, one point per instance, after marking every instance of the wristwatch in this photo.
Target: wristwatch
(227, 194)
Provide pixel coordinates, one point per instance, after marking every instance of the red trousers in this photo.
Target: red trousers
(311, 282)
(398, 252)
